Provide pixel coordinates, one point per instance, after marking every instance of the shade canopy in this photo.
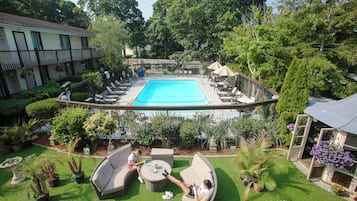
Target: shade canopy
(214, 66)
(224, 71)
(341, 114)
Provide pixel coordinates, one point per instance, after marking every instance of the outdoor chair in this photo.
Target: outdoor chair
(115, 92)
(123, 84)
(107, 99)
(228, 93)
(115, 87)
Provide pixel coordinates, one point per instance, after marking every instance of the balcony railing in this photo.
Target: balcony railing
(10, 60)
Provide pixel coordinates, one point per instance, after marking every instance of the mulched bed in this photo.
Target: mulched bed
(101, 149)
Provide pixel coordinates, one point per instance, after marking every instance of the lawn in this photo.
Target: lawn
(291, 183)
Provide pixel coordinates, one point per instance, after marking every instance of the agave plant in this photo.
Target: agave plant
(252, 161)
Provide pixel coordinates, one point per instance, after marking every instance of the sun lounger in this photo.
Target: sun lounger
(114, 92)
(229, 93)
(122, 84)
(115, 87)
(107, 99)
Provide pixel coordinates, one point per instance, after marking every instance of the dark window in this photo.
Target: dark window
(36, 40)
(65, 43)
(84, 41)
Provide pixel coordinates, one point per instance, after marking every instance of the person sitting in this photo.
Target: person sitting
(194, 191)
(134, 164)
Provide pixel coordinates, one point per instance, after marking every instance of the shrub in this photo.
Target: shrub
(165, 127)
(13, 106)
(51, 89)
(97, 78)
(80, 96)
(43, 109)
(187, 134)
(69, 124)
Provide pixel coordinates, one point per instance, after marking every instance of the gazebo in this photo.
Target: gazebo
(333, 121)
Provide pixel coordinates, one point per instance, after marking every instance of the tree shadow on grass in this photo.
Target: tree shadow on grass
(227, 189)
(181, 163)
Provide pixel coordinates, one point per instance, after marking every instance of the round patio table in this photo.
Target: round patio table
(152, 175)
(11, 163)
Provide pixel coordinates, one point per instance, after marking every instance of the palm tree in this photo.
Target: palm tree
(252, 161)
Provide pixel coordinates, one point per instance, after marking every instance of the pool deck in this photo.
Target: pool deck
(209, 91)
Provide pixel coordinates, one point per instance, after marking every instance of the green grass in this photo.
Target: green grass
(291, 183)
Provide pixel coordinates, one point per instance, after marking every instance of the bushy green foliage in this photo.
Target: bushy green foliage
(69, 124)
(43, 109)
(294, 94)
(80, 96)
(165, 127)
(247, 127)
(13, 106)
(96, 78)
(50, 90)
(100, 123)
(187, 134)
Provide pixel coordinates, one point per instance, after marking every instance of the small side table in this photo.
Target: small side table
(11, 163)
(152, 175)
(163, 154)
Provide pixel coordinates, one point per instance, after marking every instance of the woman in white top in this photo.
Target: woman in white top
(194, 191)
(134, 164)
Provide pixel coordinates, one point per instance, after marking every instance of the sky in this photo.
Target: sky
(146, 6)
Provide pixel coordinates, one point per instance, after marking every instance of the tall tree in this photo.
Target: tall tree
(199, 25)
(58, 11)
(124, 10)
(110, 34)
(159, 35)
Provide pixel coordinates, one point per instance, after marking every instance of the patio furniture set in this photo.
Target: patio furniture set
(110, 177)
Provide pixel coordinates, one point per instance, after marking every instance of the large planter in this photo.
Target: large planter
(43, 197)
(80, 179)
(55, 181)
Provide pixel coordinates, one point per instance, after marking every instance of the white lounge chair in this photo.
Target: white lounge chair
(115, 92)
(107, 99)
(127, 84)
(115, 87)
(229, 93)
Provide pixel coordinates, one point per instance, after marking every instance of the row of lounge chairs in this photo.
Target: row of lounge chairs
(113, 92)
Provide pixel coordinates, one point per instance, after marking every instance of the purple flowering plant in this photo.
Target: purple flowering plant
(290, 126)
(329, 153)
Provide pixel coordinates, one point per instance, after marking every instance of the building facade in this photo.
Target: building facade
(32, 52)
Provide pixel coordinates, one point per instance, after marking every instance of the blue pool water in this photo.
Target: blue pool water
(171, 93)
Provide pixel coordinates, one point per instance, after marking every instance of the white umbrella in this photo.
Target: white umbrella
(214, 66)
(224, 71)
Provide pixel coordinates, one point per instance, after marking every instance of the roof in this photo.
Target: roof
(341, 114)
(40, 25)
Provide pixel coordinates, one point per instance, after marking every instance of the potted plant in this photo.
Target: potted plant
(36, 188)
(339, 190)
(48, 169)
(74, 166)
(252, 160)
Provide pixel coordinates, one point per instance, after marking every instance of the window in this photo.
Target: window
(65, 43)
(36, 40)
(84, 41)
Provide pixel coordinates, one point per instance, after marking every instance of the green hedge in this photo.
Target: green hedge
(80, 96)
(50, 90)
(43, 109)
(13, 106)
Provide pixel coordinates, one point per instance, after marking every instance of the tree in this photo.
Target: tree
(124, 10)
(199, 25)
(110, 35)
(294, 94)
(58, 11)
(159, 35)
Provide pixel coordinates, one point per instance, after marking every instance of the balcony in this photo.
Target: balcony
(10, 60)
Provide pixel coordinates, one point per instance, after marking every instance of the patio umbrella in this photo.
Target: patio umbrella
(224, 71)
(214, 66)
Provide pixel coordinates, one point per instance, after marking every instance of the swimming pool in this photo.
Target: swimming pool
(171, 93)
